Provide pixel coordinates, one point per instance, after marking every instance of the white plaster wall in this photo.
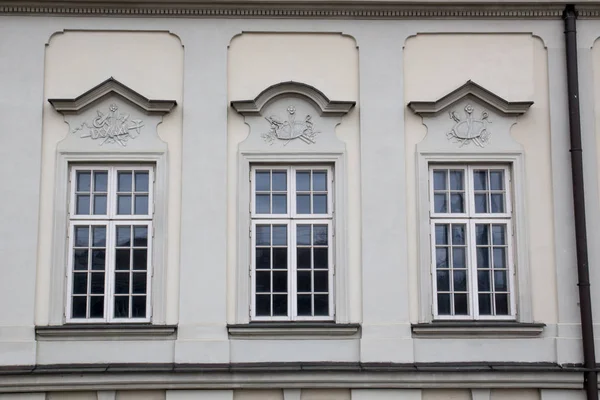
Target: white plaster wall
(329, 62)
(446, 394)
(72, 396)
(513, 66)
(515, 394)
(258, 395)
(141, 395)
(150, 63)
(325, 394)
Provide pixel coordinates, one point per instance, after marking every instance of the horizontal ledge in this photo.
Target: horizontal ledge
(277, 330)
(477, 329)
(105, 331)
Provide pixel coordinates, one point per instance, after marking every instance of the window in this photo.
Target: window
(471, 235)
(292, 243)
(110, 247)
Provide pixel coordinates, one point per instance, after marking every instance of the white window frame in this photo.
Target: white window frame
(292, 219)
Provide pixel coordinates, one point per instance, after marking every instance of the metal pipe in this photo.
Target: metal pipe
(590, 381)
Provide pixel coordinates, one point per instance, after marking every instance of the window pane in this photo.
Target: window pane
(483, 280)
(497, 180)
(304, 305)
(460, 280)
(280, 258)
(500, 283)
(121, 307)
(141, 205)
(457, 204)
(304, 283)
(140, 236)
(123, 236)
(263, 204)
(501, 304)
(138, 307)
(498, 234)
(263, 181)
(303, 257)
(497, 202)
(443, 300)
(79, 307)
(456, 180)
(80, 259)
(279, 181)
(263, 281)
(441, 257)
(141, 181)
(480, 180)
(441, 234)
(458, 234)
(98, 259)
(123, 204)
(124, 182)
(319, 204)
(279, 235)
(140, 259)
(263, 305)
(440, 204)
(280, 281)
(80, 283)
(485, 304)
(499, 257)
(321, 281)
(97, 284)
(263, 235)
(97, 307)
(100, 181)
(82, 236)
(439, 180)
(319, 181)
(303, 234)
(139, 283)
(83, 181)
(263, 258)
(280, 304)
(459, 257)
(483, 257)
(303, 204)
(482, 234)
(443, 281)
(460, 304)
(320, 235)
(99, 234)
(122, 259)
(303, 181)
(321, 258)
(122, 282)
(99, 204)
(83, 204)
(321, 304)
(481, 205)
(279, 204)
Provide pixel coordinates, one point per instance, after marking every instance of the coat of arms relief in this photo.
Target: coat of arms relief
(290, 128)
(470, 129)
(111, 127)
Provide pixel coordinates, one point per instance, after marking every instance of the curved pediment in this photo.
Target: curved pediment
(325, 106)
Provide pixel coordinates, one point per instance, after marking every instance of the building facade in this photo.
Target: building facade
(293, 201)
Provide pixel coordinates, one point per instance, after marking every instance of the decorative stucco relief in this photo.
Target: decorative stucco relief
(470, 129)
(111, 127)
(290, 128)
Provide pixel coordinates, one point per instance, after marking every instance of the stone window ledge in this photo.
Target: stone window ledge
(294, 330)
(106, 332)
(477, 329)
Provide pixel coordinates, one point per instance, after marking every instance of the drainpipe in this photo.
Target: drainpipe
(590, 381)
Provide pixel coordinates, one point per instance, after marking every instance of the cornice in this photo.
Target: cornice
(344, 9)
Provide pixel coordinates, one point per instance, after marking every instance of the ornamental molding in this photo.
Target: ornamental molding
(325, 106)
(470, 90)
(109, 87)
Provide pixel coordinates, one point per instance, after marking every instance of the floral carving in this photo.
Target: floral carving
(290, 129)
(471, 129)
(112, 127)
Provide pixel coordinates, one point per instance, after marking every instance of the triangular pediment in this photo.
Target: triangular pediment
(110, 87)
(470, 90)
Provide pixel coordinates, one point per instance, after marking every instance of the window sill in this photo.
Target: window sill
(105, 332)
(293, 330)
(477, 329)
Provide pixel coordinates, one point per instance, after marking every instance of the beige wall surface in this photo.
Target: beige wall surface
(124, 56)
(515, 394)
(258, 395)
(446, 394)
(329, 62)
(514, 66)
(325, 394)
(140, 395)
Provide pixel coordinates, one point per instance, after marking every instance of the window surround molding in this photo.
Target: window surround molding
(297, 102)
(445, 144)
(78, 147)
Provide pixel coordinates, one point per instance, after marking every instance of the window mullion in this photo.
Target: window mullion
(292, 263)
(292, 191)
(472, 255)
(110, 274)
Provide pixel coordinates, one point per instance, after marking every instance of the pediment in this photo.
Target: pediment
(321, 102)
(470, 90)
(112, 87)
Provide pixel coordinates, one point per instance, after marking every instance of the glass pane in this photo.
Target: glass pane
(279, 204)
(481, 205)
(97, 284)
(279, 181)
(141, 205)
(279, 304)
(99, 234)
(83, 204)
(279, 235)
(460, 304)
(457, 204)
(122, 282)
(321, 304)
(97, 307)
(303, 204)
(443, 300)
(123, 236)
(140, 236)
(304, 281)
(263, 305)
(123, 204)
(280, 258)
(485, 304)
(319, 181)
(82, 236)
(480, 180)
(456, 180)
(124, 182)
(79, 307)
(440, 204)
(303, 181)
(321, 281)
(263, 258)
(483, 257)
(83, 181)
(441, 257)
(122, 259)
(139, 283)
(482, 234)
(497, 203)
(138, 307)
(141, 181)
(321, 258)
(483, 280)
(319, 204)
(320, 235)
(459, 258)
(497, 180)
(498, 234)
(501, 304)
(263, 281)
(140, 259)
(80, 283)
(263, 204)
(263, 235)
(304, 305)
(458, 235)
(443, 281)
(460, 280)
(280, 281)
(100, 181)
(439, 180)
(263, 181)
(500, 283)
(99, 204)
(80, 259)
(303, 257)
(121, 306)
(303, 234)
(441, 234)
(98, 259)
(499, 257)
